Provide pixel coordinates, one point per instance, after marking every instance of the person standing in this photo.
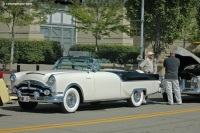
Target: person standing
(171, 82)
(147, 65)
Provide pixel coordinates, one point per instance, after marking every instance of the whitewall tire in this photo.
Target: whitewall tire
(136, 98)
(71, 101)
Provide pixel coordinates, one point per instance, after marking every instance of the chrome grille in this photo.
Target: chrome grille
(28, 87)
(187, 83)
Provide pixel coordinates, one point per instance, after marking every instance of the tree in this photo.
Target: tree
(20, 13)
(100, 18)
(164, 20)
(195, 29)
(198, 14)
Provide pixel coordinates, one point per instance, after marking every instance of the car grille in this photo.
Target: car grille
(28, 87)
(187, 83)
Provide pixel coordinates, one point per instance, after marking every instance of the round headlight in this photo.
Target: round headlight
(47, 92)
(51, 80)
(13, 77)
(195, 80)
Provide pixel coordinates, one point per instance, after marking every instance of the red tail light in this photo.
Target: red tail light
(1, 75)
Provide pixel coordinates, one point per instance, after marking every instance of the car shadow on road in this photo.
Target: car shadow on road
(41, 108)
(185, 99)
(1, 115)
(54, 108)
(103, 106)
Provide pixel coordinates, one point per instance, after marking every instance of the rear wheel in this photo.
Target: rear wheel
(71, 101)
(136, 98)
(27, 105)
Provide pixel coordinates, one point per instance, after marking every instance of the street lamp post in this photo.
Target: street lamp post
(142, 31)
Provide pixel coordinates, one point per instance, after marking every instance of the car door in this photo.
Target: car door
(107, 85)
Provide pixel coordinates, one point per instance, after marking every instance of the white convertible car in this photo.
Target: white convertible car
(75, 80)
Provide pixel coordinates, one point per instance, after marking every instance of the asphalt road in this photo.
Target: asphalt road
(109, 117)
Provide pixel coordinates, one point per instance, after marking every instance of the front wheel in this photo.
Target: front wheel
(27, 105)
(136, 98)
(71, 101)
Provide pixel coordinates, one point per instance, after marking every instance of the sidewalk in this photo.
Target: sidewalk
(26, 67)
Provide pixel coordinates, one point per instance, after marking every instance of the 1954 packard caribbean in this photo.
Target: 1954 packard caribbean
(75, 80)
(189, 73)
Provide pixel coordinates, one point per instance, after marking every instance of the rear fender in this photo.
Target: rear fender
(141, 89)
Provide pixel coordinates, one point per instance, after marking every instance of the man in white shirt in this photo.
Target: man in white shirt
(147, 64)
(147, 67)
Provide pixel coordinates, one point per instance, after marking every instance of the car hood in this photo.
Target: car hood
(55, 72)
(43, 75)
(186, 58)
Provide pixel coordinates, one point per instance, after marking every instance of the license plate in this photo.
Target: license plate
(24, 99)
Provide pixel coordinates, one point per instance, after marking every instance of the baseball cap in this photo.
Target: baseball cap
(150, 53)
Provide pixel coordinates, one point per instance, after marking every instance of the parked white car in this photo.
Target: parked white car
(75, 80)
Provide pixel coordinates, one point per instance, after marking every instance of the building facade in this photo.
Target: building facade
(61, 27)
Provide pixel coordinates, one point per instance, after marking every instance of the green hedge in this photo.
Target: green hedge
(114, 52)
(30, 51)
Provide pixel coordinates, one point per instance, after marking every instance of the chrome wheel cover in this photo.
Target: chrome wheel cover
(137, 96)
(71, 100)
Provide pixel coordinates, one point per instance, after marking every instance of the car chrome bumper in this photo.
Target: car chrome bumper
(42, 99)
(191, 91)
(186, 91)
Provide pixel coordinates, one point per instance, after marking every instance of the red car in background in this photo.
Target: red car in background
(1, 75)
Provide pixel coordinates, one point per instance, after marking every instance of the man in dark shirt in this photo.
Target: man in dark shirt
(171, 65)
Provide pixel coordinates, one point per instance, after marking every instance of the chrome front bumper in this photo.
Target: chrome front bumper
(34, 91)
(41, 99)
(191, 91)
(185, 89)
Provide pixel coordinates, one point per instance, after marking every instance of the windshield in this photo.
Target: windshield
(74, 63)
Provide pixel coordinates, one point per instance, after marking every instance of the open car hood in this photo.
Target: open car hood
(186, 58)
